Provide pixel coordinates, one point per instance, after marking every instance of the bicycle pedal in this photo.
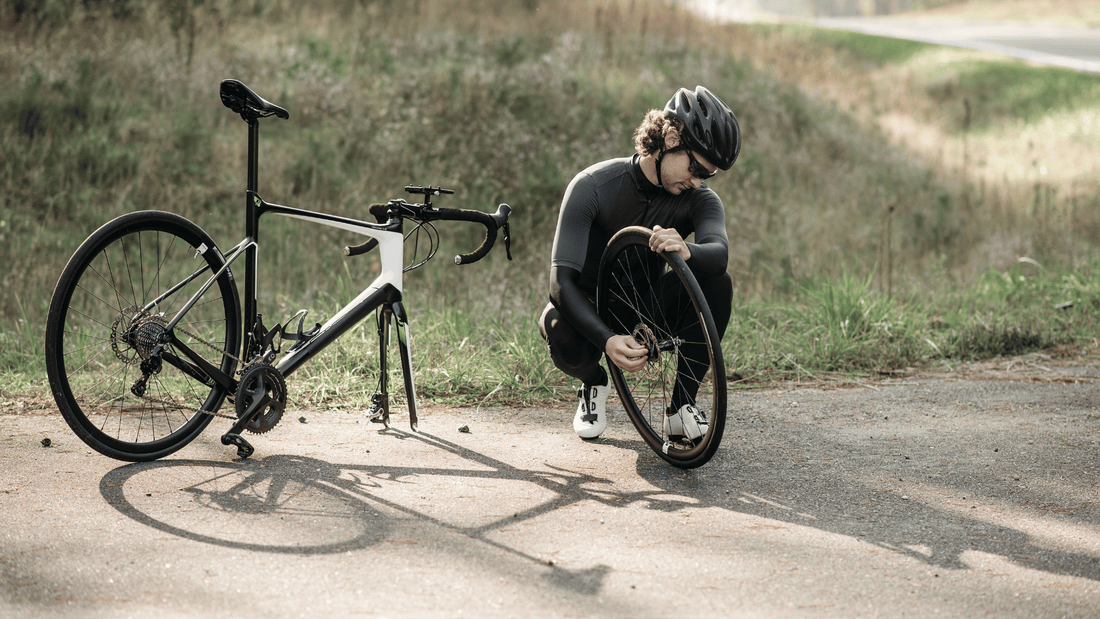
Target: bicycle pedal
(244, 448)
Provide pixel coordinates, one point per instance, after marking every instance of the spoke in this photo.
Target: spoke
(114, 308)
(94, 357)
(97, 399)
(126, 263)
(160, 268)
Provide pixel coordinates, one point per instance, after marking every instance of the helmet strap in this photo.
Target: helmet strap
(661, 155)
(657, 162)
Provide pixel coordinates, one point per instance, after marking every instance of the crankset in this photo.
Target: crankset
(261, 397)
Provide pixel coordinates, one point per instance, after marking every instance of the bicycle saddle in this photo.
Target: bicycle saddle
(240, 98)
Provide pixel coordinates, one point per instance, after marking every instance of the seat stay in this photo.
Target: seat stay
(230, 257)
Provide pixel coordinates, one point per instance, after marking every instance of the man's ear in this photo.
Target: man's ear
(671, 137)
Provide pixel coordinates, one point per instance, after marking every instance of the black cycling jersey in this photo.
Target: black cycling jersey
(608, 197)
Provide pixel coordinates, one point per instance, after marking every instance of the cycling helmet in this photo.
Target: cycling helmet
(712, 129)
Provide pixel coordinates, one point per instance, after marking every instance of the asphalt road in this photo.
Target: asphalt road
(1064, 46)
(970, 495)
(1072, 48)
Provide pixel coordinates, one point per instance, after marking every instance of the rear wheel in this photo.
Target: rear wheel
(655, 298)
(102, 329)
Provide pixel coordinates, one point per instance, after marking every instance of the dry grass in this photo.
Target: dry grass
(506, 101)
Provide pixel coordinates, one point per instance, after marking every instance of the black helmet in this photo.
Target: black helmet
(712, 129)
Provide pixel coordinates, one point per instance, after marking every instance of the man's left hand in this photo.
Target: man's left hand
(665, 239)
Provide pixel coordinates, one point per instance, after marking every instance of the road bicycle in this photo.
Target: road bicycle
(146, 337)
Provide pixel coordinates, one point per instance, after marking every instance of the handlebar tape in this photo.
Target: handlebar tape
(359, 250)
(491, 223)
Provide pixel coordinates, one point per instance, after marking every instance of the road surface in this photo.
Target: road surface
(966, 495)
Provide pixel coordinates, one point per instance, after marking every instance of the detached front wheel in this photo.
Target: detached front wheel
(655, 298)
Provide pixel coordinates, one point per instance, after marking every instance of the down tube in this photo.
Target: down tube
(369, 300)
(386, 288)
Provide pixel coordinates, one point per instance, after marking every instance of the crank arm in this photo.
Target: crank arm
(233, 436)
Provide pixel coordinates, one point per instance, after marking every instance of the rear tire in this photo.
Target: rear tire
(97, 335)
(655, 297)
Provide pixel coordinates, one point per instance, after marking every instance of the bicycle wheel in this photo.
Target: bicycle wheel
(654, 297)
(99, 331)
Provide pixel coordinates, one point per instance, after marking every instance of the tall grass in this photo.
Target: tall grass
(112, 106)
(1009, 146)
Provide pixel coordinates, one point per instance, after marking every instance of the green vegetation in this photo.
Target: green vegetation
(883, 197)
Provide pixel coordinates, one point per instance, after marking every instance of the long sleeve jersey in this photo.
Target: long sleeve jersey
(608, 197)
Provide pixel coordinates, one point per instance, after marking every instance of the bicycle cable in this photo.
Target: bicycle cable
(433, 242)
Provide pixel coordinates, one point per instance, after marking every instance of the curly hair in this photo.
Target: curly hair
(649, 138)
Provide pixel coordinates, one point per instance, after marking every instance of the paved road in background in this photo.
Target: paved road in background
(973, 495)
(1070, 47)
(1073, 48)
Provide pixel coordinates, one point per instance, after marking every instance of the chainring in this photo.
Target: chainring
(259, 380)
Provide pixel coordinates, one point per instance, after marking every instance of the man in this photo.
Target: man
(660, 187)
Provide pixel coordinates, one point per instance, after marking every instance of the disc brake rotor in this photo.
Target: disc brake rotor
(648, 339)
(119, 327)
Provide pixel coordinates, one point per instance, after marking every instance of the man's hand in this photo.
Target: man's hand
(626, 353)
(664, 239)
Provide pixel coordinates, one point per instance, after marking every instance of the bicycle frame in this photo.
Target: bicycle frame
(384, 292)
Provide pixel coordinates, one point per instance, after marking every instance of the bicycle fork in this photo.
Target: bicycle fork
(380, 402)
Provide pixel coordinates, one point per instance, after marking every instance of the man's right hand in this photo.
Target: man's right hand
(626, 353)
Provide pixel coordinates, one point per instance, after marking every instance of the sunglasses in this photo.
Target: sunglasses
(696, 169)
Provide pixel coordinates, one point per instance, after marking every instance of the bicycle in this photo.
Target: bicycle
(143, 346)
(655, 298)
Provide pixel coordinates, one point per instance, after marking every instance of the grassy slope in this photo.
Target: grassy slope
(103, 115)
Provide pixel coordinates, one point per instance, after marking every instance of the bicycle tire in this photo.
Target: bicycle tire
(631, 279)
(96, 335)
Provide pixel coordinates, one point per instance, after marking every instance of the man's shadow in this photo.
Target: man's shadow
(825, 496)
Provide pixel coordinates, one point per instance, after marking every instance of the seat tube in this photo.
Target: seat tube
(252, 227)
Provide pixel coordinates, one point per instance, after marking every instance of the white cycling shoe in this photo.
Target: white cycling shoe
(591, 418)
(688, 423)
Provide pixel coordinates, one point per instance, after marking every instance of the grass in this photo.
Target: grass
(885, 191)
(843, 328)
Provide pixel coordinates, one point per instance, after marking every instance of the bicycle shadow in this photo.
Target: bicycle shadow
(248, 499)
(311, 506)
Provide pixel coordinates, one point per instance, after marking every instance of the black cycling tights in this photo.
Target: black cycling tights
(579, 358)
